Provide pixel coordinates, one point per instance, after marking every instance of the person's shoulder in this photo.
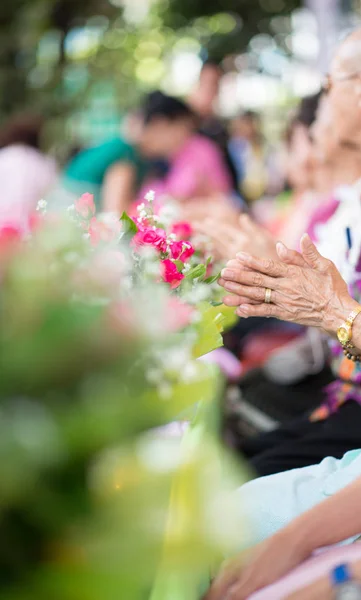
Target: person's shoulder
(117, 147)
(19, 153)
(203, 144)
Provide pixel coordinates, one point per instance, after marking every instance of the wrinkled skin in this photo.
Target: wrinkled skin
(268, 562)
(306, 288)
(236, 235)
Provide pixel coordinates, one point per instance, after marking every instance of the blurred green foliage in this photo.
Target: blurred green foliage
(45, 66)
(95, 503)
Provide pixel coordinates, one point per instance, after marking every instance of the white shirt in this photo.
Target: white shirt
(332, 238)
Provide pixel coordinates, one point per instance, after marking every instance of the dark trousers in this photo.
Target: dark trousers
(302, 443)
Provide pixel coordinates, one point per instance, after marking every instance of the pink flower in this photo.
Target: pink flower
(170, 273)
(101, 231)
(181, 251)
(85, 206)
(178, 314)
(182, 230)
(151, 237)
(10, 236)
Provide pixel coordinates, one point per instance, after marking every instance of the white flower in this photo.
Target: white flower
(165, 390)
(150, 196)
(169, 212)
(151, 268)
(176, 359)
(41, 206)
(189, 372)
(142, 214)
(141, 207)
(154, 376)
(70, 208)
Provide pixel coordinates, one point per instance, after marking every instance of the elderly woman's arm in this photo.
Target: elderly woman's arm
(305, 288)
(322, 589)
(330, 522)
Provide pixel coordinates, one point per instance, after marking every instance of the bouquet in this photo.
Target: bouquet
(93, 357)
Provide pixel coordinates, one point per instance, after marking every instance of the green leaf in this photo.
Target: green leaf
(209, 330)
(196, 272)
(129, 227)
(212, 279)
(179, 264)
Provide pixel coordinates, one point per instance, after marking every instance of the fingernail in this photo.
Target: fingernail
(244, 308)
(242, 256)
(280, 248)
(227, 273)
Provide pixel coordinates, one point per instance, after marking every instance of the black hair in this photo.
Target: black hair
(249, 115)
(22, 129)
(214, 64)
(305, 115)
(307, 110)
(159, 105)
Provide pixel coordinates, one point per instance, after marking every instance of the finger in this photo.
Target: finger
(247, 223)
(259, 310)
(268, 266)
(320, 590)
(257, 294)
(290, 257)
(234, 301)
(250, 278)
(311, 255)
(227, 577)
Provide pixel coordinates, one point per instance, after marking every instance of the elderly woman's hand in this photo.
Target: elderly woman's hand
(307, 290)
(319, 590)
(236, 235)
(267, 562)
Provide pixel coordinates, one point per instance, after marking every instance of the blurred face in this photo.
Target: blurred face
(299, 159)
(326, 144)
(245, 128)
(210, 79)
(162, 138)
(344, 94)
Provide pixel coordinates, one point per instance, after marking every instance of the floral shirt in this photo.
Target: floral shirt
(332, 242)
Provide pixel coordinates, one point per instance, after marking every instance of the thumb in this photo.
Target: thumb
(311, 255)
(290, 257)
(245, 221)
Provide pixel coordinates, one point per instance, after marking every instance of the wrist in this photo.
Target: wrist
(300, 538)
(338, 313)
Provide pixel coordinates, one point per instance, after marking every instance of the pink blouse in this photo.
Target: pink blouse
(198, 170)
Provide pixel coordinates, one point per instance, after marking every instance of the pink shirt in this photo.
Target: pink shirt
(25, 176)
(199, 169)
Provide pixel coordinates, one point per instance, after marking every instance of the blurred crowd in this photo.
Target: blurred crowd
(181, 149)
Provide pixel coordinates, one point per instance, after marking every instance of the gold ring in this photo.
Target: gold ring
(268, 296)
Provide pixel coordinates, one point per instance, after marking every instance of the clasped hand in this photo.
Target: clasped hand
(306, 288)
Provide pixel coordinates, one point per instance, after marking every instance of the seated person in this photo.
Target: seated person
(166, 129)
(303, 509)
(26, 173)
(335, 428)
